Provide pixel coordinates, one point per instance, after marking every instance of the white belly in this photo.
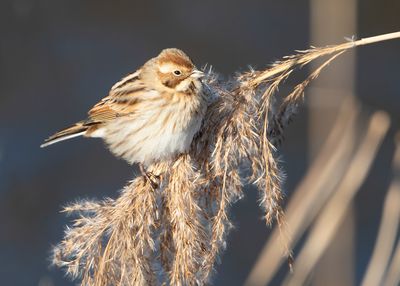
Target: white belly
(152, 136)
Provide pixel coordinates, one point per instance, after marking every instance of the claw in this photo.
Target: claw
(151, 177)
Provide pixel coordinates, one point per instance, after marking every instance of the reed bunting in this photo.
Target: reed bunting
(149, 115)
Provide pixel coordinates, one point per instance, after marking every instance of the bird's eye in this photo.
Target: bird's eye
(177, 72)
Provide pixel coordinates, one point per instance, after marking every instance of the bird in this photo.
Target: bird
(149, 115)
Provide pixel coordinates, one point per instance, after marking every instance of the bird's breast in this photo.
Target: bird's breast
(157, 132)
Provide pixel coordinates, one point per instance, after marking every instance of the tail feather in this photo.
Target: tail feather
(68, 133)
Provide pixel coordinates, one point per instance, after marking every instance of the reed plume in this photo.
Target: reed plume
(172, 229)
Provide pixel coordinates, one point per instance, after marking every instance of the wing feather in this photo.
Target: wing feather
(122, 99)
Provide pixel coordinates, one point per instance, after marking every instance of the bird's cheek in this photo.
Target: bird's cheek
(183, 86)
(169, 83)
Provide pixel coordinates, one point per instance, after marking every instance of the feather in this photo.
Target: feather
(78, 129)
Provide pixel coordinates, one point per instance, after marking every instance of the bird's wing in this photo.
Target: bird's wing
(121, 100)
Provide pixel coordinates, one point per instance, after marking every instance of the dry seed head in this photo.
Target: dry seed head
(173, 234)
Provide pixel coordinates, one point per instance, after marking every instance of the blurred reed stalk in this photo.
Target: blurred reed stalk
(393, 274)
(378, 269)
(334, 211)
(324, 98)
(172, 234)
(312, 193)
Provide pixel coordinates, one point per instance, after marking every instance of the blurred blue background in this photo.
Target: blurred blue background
(59, 57)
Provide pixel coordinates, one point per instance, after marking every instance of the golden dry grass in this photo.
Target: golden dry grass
(173, 233)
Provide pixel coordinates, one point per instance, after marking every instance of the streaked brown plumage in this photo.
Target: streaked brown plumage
(149, 115)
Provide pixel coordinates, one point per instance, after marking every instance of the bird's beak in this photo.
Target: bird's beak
(197, 74)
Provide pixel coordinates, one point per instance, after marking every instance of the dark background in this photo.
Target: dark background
(59, 57)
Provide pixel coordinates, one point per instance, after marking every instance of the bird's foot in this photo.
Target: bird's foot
(152, 178)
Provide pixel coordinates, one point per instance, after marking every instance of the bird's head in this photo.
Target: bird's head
(175, 70)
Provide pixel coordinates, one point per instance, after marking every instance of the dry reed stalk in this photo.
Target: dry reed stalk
(377, 266)
(183, 220)
(311, 194)
(172, 232)
(388, 227)
(111, 241)
(334, 212)
(393, 273)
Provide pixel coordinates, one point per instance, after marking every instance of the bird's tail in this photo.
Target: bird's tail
(76, 130)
